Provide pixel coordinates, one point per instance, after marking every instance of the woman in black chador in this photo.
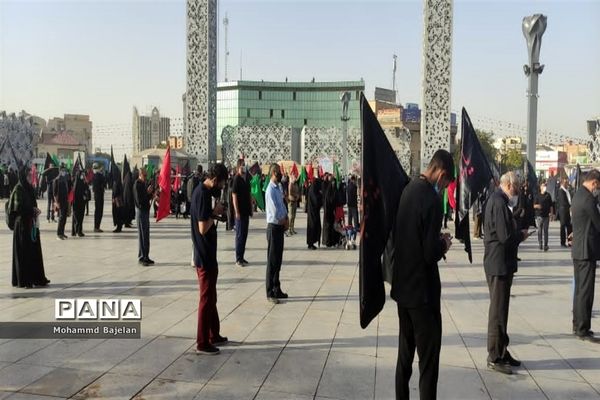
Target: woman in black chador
(27, 264)
(314, 202)
(330, 236)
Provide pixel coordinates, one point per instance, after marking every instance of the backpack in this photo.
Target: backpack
(10, 216)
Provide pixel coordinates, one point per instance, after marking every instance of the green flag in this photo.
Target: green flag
(55, 160)
(256, 191)
(150, 171)
(338, 176)
(445, 201)
(302, 177)
(266, 185)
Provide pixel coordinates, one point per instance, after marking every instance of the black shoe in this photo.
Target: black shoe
(500, 366)
(546, 248)
(280, 295)
(116, 230)
(150, 261)
(81, 234)
(220, 341)
(541, 248)
(98, 230)
(518, 259)
(510, 360)
(239, 264)
(128, 226)
(209, 350)
(245, 262)
(589, 337)
(311, 247)
(273, 300)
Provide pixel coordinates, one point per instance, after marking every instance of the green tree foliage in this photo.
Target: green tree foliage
(513, 160)
(487, 145)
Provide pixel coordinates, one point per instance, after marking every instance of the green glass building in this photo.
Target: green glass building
(293, 104)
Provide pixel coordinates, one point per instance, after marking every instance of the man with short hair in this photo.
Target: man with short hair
(501, 244)
(585, 252)
(542, 205)
(416, 287)
(62, 187)
(98, 186)
(242, 207)
(204, 238)
(277, 224)
(563, 204)
(352, 202)
(142, 196)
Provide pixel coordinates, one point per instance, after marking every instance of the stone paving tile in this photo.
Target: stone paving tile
(290, 375)
(28, 396)
(17, 376)
(153, 358)
(343, 371)
(246, 367)
(218, 392)
(269, 395)
(192, 367)
(114, 387)
(62, 382)
(163, 389)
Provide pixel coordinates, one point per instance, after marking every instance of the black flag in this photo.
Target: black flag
(532, 180)
(77, 166)
(126, 167)
(114, 169)
(383, 180)
(474, 174)
(578, 177)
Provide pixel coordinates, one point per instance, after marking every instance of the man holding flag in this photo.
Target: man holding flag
(142, 194)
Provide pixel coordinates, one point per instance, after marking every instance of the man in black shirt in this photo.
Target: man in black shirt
(352, 202)
(142, 196)
(204, 238)
(419, 245)
(242, 207)
(501, 244)
(62, 187)
(585, 253)
(563, 205)
(542, 205)
(98, 185)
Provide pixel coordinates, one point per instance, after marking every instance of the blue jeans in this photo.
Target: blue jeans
(142, 219)
(241, 235)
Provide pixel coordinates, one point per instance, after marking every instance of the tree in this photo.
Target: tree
(487, 145)
(513, 160)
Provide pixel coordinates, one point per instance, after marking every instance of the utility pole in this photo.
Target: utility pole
(395, 57)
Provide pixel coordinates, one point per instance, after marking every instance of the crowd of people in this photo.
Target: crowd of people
(503, 217)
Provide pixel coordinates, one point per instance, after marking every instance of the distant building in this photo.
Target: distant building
(293, 104)
(149, 131)
(63, 136)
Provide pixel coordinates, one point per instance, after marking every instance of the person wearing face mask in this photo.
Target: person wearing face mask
(416, 287)
(563, 204)
(79, 200)
(585, 252)
(204, 239)
(277, 224)
(142, 196)
(542, 205)
(61, 201)
(501, 243)
(242, 206)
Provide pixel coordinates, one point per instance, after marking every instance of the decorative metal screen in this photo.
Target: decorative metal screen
(18, 140)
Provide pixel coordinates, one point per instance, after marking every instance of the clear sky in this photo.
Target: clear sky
(103, 57)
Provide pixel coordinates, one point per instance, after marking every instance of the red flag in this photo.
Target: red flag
(177, 183)
(321, 171)
(164, 183)
(452, 193)
(294, 171)
(310, 173)
(34, 176)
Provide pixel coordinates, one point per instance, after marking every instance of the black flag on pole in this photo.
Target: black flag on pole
(383, 180)
(474, 174)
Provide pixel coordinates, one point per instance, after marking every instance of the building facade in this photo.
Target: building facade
(149, 131)
(291, 104)
(77, 126)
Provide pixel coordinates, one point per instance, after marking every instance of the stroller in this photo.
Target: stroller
(347, 232)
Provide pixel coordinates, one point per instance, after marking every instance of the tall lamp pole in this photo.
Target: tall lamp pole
(533, 28)
(345, 99)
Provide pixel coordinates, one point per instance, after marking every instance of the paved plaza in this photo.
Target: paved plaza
(309, 347)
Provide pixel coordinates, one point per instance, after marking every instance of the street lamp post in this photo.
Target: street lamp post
(533, 28)
(345, 99)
